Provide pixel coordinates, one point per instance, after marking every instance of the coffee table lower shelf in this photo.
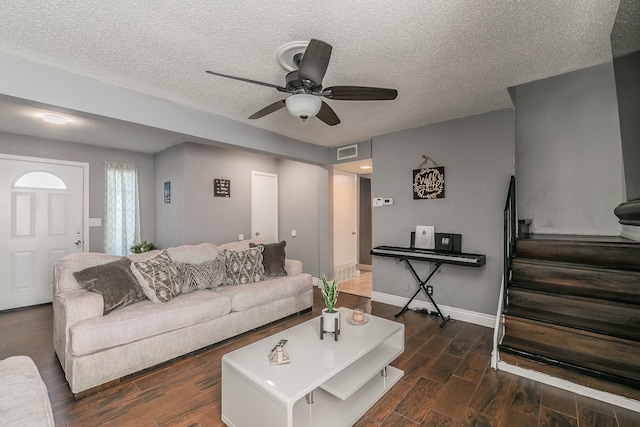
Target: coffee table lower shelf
(330, 410)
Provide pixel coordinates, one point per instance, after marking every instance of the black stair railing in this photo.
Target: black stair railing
(510, 222)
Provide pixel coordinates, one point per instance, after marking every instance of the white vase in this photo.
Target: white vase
(329, 320)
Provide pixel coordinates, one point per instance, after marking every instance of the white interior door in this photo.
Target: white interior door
(42, 218)
(264, 206)
(345, 219)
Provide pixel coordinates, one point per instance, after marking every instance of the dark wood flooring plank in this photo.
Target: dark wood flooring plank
(559, 400)
(490, 396)
(472, 367)
(524, 396)
(419, 399)
(455, 397)
(436, 419)
(551, 418)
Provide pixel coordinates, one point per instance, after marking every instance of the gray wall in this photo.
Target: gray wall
(95, 157)
(478, 155)
(303, 207)
(627, 72)
(568, 152)
(169, 166)
(195, 216)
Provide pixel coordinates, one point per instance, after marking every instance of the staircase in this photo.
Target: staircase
(572, 307)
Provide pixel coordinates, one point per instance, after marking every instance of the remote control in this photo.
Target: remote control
(281, 343)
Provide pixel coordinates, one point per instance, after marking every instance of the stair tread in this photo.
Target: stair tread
(623, 255)
(629, 296)
(591, 361)
(592, 325)
(572, 265)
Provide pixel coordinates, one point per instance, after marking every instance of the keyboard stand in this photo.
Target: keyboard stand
(422, 286)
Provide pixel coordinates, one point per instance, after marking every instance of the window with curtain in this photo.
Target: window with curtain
(122, 217)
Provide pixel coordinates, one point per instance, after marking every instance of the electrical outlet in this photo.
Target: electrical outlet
(429, 290)
(240, 236)
(405, 286)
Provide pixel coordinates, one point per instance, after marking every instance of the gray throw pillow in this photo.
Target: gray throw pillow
(158, 277)
(206, 275)
(114, 281)
(273, 258)
(243, 266)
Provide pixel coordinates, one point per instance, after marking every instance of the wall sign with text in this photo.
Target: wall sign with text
(221, 187)
(428, 183)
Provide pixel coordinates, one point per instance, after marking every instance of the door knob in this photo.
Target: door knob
(257, 233)
(77, 243)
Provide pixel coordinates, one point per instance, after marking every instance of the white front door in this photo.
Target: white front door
(42, 219)
(264, 206)
(345, 220)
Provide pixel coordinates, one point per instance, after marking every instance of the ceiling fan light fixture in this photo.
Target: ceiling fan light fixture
(303, 105)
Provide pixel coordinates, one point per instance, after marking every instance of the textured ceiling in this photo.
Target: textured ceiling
(447, 58)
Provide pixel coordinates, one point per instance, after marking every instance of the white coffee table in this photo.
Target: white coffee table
(343, 378)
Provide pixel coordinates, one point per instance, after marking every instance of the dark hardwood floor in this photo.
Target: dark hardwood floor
(447, 381)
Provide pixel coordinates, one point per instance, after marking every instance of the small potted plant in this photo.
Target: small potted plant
(329, 314)
(145, 246)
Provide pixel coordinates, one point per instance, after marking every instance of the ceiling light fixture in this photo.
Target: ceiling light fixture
(54, 119)
(303, 105)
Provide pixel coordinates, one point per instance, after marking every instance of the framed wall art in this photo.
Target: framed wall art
(167, 192)
(221, 187)
(428, 183)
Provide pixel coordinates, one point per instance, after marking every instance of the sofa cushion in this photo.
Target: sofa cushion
(253, 294)
(146, 319)
(243, 266)
(240, 245)
(205, 275)
(158, 277)
(273, 258)
(194, 254)
(114, 281)
(63, 279)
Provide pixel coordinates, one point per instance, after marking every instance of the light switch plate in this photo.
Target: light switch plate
(95, 222)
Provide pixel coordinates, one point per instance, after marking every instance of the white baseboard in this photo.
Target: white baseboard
(455, 313)
(603, 396)
(630, 232)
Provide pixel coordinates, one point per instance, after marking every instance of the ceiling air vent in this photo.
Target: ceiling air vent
(348, 152)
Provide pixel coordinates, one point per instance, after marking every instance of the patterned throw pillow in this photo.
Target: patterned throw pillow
(243, 266)
(114, 281)
(158, 277)
(273, 258)
(206, 275)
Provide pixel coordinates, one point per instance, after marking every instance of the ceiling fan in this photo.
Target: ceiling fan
(305, 86)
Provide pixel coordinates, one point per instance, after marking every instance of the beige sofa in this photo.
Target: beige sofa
(95, 349)
(24, 400)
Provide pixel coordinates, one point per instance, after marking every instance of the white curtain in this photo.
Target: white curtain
(122, 213)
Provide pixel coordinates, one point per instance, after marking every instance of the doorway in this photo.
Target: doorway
(360, 282)
(43, 209)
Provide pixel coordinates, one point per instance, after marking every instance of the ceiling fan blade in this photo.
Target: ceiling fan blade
(268, 109)
(361, 93)
(315, 61)
(242, 79)
(327, 115)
